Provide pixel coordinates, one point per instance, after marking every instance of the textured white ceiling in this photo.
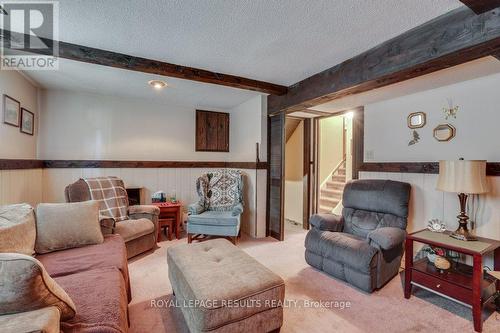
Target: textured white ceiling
(83, 77)
(280, 41)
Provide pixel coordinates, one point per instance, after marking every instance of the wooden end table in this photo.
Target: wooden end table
(456, 284)
(168, 211)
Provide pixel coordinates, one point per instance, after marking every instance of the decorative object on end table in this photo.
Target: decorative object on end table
(416, 120)
(159, 196)
(464, 178)
(11, 111)
(27, 121)
(442, 263)
(444, 132)
(436, 225)
(433, 252)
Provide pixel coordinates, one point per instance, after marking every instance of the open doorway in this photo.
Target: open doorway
(295, 187)
(334, 162)
(294, 175)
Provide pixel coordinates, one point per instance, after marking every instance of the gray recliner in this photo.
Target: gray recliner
(364, 246)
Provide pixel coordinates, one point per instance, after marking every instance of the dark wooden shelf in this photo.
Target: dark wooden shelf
(460, 274)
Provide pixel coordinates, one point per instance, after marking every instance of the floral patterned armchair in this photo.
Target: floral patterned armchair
(220, 205)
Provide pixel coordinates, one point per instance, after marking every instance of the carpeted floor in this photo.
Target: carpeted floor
(383, 311)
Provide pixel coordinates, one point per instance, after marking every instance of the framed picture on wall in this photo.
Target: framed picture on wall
(11, 110)
(27, 121)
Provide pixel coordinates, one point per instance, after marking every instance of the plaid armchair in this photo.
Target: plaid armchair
(139, 230)
(219, 207)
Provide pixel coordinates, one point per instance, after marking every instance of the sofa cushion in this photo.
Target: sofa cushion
(215, 218)
(44, 320)
(226, 278)
(17, 229)
(67, 225)
(26, 286)
(101, 299)
(132, 229)
(350, 250)
(111, 253)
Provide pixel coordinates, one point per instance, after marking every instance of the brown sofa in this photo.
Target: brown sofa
(97, 280)
(139, 232)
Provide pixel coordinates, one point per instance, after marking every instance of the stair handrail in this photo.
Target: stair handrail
(332, 173)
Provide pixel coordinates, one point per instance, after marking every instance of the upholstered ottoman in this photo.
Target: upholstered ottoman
(220, 288)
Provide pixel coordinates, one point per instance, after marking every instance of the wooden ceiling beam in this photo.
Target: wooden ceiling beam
(451, 39)
(124, 61)
(481, 6)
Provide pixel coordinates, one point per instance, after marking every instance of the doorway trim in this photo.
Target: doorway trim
(310, 180)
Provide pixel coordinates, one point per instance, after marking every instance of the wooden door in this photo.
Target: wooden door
(276, 156)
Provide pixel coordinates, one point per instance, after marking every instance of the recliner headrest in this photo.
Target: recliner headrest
(375, 195)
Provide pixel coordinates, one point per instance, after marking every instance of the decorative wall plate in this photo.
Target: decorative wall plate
(444, 132)
(416, 120)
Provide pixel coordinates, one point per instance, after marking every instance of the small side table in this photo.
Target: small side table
(168, 211)
(473, 290)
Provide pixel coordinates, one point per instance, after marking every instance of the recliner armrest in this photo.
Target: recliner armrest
(327, 222)
(387, 237)
(195, 209)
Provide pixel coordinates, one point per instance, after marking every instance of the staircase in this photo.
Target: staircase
(331, 190)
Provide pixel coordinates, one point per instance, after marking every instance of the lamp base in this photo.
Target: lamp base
(462, 233)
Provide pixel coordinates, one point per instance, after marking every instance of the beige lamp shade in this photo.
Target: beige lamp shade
(461, 176)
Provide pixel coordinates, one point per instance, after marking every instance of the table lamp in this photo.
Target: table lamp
(464, 178)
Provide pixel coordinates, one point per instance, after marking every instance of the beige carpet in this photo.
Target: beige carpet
(383, 311)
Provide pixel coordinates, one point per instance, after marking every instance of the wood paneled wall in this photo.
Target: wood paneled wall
(22, 185)
(428, 203)
(182, 180)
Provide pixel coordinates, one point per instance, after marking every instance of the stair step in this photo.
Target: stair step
(339, 178)
(324, 209)
(341, 171)
(331, 193)
(329, 201)
(335, 185)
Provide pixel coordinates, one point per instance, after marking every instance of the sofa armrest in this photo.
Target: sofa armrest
(149, 212)
(237, 209)
(144, 209)
(327, 222)
(195, 209)
(387, 237)
(107, 226)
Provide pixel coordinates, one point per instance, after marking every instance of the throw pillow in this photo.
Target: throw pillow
(26, 286)
(67, 225)
(17, 229)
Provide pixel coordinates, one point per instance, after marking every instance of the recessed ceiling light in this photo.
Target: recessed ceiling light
(157, 84)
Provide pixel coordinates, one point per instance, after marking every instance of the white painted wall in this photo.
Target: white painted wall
(478, 137)
(331, 145)
(19, 185)
(294, 191)
(90, 126)
(13, 143)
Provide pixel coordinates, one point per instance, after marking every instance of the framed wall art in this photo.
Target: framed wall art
(11, 111)
(27, 121)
